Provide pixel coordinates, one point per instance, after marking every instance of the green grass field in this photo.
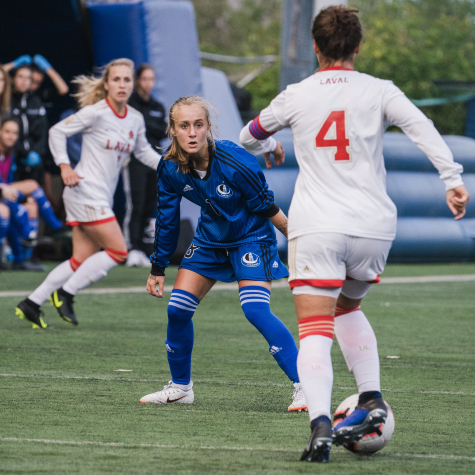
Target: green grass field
(65, 408)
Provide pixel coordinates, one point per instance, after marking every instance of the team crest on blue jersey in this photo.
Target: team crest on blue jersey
(250, 260)
(190, 251)
(224, 191)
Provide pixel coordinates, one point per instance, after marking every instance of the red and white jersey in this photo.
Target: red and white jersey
(107, 142)
(338, 118)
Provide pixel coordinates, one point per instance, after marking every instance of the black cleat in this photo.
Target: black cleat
(62, 301)
(30, 241)
(365, 419)
(319, 445)
(33, 315)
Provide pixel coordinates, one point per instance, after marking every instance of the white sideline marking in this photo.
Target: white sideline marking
(277, 285)
(210, 381)
(204, 447)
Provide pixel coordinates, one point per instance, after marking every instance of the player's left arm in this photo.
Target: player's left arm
(256, 136)
(143, 150)
(400, 111)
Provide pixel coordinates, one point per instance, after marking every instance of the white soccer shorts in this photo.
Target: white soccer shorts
(86, 214)
(334, 261)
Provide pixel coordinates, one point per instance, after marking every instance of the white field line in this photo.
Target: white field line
(215, 448)
(212, 381)
(277, 285)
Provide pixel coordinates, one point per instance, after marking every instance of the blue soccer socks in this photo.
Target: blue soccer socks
(180, 335)
(45, 210)
(255, 302)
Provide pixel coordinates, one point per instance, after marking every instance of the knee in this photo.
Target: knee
(74, 263)
(118, 256)
(176, 315)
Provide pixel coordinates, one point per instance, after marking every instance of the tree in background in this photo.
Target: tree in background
(411, 42)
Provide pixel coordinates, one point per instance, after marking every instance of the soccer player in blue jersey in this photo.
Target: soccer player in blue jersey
(235, 240)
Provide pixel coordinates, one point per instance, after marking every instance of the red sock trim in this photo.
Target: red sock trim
(117, 256)
(74, 263)
(343, 311)
(323, 325)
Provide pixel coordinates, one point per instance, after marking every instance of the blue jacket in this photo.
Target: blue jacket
(234, 198)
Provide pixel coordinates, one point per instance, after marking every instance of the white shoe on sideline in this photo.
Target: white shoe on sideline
(171, 393)
(298, 399)
(137, 258)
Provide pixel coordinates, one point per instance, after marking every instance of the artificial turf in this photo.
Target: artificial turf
(65, 409)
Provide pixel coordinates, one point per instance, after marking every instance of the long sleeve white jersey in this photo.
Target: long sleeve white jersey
(338, 118)
(107, 142)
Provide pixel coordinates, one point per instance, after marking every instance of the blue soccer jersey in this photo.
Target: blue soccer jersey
(234, 198)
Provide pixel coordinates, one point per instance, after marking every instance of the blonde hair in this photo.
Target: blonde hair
(5, 95)
(92, 88)
(176, 153)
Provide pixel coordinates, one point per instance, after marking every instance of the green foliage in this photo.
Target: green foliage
(411, 42)
(414, 43)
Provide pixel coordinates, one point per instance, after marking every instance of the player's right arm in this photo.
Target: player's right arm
(256, 136)
(167, 228)
(400, 111)
(58, 134)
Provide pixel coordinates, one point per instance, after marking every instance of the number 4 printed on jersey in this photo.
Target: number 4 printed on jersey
(334, 134)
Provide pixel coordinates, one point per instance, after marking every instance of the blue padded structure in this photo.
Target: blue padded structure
(217, 91)
(423, 194)
(433, 240)
(162, 33)
(400, 153)
(426, 231)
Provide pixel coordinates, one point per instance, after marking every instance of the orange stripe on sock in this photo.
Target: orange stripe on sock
(323, 325)
(117, 256)
(343, 311)
(74, 263)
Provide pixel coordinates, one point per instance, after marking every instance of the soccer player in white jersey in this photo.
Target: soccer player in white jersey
(341, 220)
(111, 131)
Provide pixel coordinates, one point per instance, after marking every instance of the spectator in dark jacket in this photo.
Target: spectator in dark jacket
(139, 180)
(31, 113)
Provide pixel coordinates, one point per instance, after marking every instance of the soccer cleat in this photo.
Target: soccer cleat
(171, 393)
(137, 258)
(30, 241)
(27, 312)
(319, 445)
(63, 303)
(298, 399)
(365, 419)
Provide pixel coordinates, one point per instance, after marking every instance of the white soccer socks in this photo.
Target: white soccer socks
(359, 347)
(55, 279)
(314, 363)
(92, 269)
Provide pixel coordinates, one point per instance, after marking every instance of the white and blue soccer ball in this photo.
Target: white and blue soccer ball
(370, 443)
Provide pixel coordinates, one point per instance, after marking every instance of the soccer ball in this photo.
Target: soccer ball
(370, 443)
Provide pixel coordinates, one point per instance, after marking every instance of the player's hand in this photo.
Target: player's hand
(152, 282)
(457, 200)
(10, 193)
(42, 62)
(69, 176)
(21, 60)
(279, 156)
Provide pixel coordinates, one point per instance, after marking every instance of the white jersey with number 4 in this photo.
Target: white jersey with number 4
(338, 118)
(107, 142)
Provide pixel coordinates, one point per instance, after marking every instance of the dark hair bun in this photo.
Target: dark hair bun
(337, 32)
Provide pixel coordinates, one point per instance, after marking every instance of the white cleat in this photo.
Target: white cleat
(298, 399)
(171, 393)
(137, 258)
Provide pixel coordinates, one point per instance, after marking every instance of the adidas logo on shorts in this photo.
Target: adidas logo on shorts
(275, 265)
(187, 188)
(306, 269)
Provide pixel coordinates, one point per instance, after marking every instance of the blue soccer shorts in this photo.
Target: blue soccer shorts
(254, 261)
